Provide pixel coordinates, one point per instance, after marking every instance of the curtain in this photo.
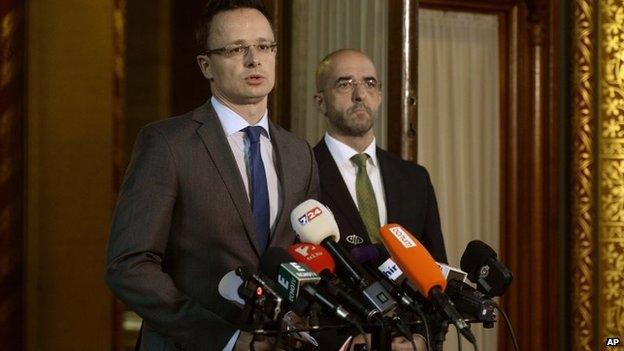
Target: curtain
(323, 26)
(458, 131)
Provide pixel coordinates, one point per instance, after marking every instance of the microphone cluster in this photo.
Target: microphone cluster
(381, 288)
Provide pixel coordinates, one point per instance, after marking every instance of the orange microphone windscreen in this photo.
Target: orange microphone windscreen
(413, 258)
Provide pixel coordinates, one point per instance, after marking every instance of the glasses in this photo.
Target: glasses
(242, 50)
(348, 85)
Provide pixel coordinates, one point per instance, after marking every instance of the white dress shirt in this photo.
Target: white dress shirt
(342, 154)
(233, 126)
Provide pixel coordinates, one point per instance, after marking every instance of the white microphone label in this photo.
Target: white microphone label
(390, 269)
(403, 237)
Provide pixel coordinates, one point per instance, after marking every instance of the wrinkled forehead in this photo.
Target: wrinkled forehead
(354, 66)
(239, 26)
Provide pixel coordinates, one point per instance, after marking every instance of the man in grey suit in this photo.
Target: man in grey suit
(208, 191)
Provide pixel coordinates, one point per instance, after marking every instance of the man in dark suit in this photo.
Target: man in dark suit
(208, 191)
(365, 186)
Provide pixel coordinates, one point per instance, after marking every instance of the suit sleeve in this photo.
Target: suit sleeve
(434, 239)
(138, 240)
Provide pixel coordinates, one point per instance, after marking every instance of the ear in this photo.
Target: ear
(204, 65)
(319, 101)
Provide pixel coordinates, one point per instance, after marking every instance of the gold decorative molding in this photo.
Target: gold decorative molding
(583, 213)
(611, 156)
(6, 123)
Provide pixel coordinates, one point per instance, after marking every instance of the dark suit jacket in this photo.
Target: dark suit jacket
(410, 200)
(183, 220)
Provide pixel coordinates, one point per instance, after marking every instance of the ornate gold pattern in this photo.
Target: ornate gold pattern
(611, 240)
(7, 34)
(582, 182)
(6, 123)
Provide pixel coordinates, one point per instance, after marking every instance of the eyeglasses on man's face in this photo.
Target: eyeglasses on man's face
(236, 50)
(348, 85)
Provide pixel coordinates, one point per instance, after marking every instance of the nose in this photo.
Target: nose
(252, 58)
(358, 93)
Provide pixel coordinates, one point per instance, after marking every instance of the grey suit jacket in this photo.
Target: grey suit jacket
(183, 220)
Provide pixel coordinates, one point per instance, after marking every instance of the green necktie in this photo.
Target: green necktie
(367, 204)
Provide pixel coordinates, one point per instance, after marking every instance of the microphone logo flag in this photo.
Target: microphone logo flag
(354, 240)
(403, 237)
(303, 250)
(310, 215)
(390, 269)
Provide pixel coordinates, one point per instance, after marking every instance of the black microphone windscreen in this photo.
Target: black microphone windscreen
(476, 254)
(271, 260)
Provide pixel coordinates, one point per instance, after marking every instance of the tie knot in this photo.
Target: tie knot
(360, 160)
(253, 133)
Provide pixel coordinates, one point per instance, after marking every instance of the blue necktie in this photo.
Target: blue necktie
(259, 190)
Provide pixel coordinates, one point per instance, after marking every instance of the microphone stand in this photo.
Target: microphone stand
(438, 333)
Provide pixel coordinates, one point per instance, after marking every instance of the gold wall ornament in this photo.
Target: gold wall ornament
(611, 217)
(7, 28)
(7, 119)
(583, 212)
(6, 73)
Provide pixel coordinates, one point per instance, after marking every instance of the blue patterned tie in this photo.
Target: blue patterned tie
(259, 190)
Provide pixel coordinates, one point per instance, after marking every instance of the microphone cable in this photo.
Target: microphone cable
(459, 341)
(421, 314)
(509, 327)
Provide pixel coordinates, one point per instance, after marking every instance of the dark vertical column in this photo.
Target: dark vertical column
(11, 173)
(279, 100)
(189, 88)
(402, 99)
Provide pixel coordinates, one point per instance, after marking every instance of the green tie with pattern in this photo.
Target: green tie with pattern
(367, 205)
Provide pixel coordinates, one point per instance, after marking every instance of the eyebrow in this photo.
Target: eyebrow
(344, 78)
(351, 77)
(259, 40)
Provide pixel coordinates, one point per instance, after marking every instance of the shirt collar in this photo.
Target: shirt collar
(232, 122)
(342, 152)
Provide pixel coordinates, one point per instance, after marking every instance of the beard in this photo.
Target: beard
(351, 122)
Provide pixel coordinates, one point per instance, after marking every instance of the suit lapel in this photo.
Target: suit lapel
(391, 178)
(283, 157)
(213, 137)
(335, 188)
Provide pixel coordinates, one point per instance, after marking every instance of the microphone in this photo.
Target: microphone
(484, 269)
(321, 262)
(228, 288)
(418, 265)
(452, 273)
(472, 302)
(252, 292)
(315, 224)
(295, 279)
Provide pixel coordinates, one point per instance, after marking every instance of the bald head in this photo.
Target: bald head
(328, 65)
(349, 95)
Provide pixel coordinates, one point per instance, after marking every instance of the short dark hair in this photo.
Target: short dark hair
(213, 7)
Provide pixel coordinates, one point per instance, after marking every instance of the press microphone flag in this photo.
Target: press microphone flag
(413, 259)
(304, 220)
(315, 224)
(419, 266)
